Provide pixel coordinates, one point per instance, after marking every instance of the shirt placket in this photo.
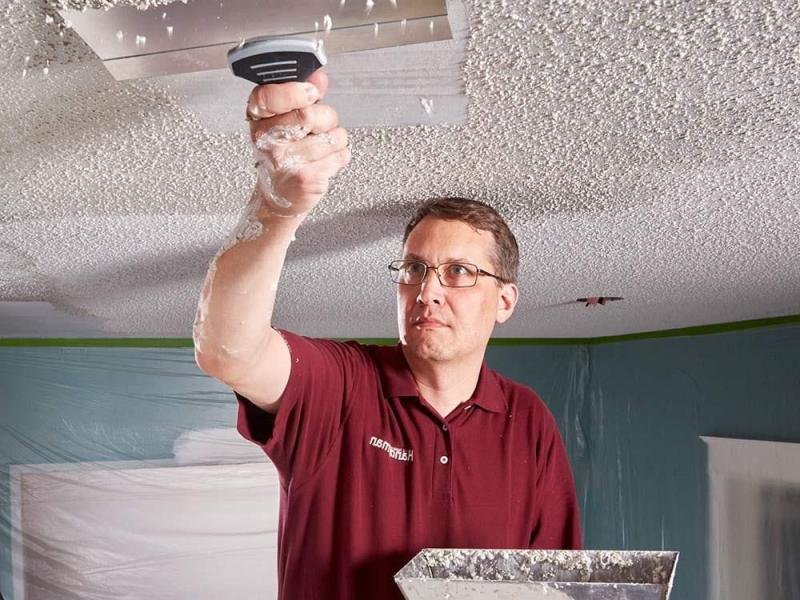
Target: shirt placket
(443, 463)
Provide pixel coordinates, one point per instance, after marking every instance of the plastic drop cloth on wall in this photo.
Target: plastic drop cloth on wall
(754, 519)
(123, 476)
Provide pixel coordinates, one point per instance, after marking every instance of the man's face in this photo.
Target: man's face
(440, 323)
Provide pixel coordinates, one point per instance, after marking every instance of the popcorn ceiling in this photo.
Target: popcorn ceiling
(106, 4)
(645, 150)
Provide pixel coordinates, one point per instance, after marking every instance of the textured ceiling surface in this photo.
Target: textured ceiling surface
(646, 150)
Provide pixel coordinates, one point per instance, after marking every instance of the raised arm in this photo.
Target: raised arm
(299, 147)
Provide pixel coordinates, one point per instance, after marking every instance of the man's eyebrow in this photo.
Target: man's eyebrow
(413, 256)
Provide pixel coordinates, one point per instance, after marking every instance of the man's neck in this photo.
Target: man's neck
(445, 385)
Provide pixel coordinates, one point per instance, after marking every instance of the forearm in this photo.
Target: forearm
(234, 314)
(295, 162)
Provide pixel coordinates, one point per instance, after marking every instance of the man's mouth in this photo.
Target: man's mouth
(428, 323)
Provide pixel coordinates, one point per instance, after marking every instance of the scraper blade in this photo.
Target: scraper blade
(196, 36)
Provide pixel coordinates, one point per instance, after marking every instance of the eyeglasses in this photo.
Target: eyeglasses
(413, 272)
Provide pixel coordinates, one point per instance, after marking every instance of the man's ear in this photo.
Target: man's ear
(506, 301)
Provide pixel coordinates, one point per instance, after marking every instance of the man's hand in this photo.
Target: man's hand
(299, 144)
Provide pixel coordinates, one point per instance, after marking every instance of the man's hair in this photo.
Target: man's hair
(505, 256)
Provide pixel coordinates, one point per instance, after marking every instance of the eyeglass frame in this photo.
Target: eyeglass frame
(435, 268)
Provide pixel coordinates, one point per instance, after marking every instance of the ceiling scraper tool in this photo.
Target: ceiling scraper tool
(187, 37)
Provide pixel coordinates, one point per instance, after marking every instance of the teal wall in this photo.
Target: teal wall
(630, 413)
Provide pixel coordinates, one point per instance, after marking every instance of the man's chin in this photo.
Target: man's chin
(424, 345)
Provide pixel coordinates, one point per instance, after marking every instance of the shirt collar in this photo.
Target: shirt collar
(397, 380)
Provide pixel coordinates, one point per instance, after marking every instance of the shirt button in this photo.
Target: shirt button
(444, 426)
(443, 460)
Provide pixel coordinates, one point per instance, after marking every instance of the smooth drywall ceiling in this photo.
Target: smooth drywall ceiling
(646, 150)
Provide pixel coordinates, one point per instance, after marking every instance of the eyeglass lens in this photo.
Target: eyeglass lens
(451, 274)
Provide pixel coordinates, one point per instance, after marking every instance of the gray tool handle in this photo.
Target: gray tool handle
(276, 60)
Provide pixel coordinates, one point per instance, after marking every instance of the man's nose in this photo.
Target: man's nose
(431, 289)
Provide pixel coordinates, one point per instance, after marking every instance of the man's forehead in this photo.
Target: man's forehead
(451, 241)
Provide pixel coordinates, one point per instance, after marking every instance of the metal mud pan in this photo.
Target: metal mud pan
(537, 575)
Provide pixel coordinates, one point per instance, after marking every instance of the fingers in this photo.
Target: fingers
(317, 118)
(272, 99)
(314, 178)
(325, 168)
(277, 98)
(299, 145)
(313, 147)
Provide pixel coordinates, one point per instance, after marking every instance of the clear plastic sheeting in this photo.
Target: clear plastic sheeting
(124, 477)
(754, 501)
(144, 531)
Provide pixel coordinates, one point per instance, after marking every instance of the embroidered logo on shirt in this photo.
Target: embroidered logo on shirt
(396, 453)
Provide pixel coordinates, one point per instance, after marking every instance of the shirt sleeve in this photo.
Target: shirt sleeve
(557, 525)
(313, 408)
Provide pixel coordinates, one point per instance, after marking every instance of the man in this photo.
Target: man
(381, 451)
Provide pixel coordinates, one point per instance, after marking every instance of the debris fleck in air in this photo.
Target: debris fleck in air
(163, 16)
(320, 44)
(427, 104)
(48, 19)
(403, 25)
(377, 29)
(430, 25)
(394, 3)
(241, 44)
(342, 3)
(316, 26)
(327, 23)
(141, 40)
(370, 5)
(46, 69)
(120, 35)
(169, 31)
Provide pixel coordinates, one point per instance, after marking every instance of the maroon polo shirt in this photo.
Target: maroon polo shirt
(371, 474)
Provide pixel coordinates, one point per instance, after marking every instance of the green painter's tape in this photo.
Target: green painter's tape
(646, 335)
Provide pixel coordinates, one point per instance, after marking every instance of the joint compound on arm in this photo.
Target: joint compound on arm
(253, 283)
(272, 160)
